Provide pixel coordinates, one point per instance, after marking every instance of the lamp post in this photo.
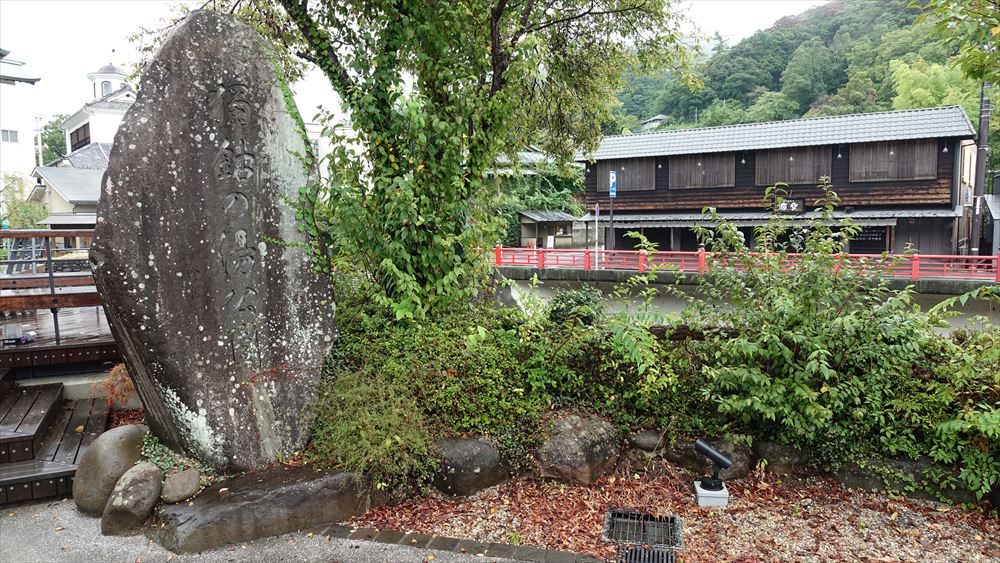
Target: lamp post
(982, 156)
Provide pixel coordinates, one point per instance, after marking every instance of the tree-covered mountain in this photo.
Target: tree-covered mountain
(845, 56)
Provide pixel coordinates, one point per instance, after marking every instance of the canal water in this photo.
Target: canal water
(667, 303)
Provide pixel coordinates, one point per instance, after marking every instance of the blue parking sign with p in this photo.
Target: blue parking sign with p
(612, 184)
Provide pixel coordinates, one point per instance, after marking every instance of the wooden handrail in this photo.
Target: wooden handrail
(44, 233)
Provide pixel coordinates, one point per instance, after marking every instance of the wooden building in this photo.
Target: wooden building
(549, 229)
(901, 175)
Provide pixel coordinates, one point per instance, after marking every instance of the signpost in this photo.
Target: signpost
(597, 228)
(612, 193)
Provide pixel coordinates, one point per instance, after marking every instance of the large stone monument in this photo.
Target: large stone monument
(211, 298)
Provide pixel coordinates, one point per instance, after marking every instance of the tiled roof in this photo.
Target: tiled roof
(78, 186)
(930, 123)
(93, 156)
(548, 216)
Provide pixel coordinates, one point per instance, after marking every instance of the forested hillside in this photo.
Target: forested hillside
(846, 56)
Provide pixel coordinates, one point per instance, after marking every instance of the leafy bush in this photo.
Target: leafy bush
(584, 306)
(803, 352)
(807, 352)
(369, 423)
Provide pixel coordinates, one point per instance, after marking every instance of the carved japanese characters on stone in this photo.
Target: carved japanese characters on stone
(201, 299)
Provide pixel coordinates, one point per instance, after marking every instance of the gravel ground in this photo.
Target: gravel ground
(56, 532)
(798, 518)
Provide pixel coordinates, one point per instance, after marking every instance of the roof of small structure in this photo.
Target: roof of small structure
(12, 71)
(93, 156)
(70, 219)
(78, 186)
(548, 216)
(928, 123)
(111, 69)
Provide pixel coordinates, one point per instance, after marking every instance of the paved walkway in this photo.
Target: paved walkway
(55, 532)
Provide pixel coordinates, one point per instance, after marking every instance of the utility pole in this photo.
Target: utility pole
(982, 159)
(38, 141)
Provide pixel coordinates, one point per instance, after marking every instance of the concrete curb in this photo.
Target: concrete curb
(456, 545)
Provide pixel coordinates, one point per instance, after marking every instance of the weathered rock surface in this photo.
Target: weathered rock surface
(683, 453)
(579, 450)
(914, 478)
(647, 440)
(132, 500)
(469, 466)
(261, 504)
(103, 464)
(181, 486)
(782, 459)
(223, 330)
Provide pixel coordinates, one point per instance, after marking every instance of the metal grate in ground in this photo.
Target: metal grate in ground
(647, 555)
(629, 527)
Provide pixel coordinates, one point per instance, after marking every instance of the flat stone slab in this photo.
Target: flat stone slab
(265, 503)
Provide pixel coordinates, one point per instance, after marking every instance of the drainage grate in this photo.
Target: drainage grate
(625, 526)
(646, 555)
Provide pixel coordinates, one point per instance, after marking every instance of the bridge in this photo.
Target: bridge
(927, 273)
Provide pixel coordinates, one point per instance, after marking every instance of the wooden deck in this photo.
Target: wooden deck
(85, 337)
(62, 431)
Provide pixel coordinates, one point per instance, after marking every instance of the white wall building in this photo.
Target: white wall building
(17, 124)
(98, 120)
(70, 186)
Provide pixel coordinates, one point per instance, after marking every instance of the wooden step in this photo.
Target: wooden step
(76, 425)
(6, 381)
(25, 420)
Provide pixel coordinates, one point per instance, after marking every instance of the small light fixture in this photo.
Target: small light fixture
(659, 166)
(791, 158)
(743, 158)
(891, 152)
(839, 155)
(699, 163)
(945, 148)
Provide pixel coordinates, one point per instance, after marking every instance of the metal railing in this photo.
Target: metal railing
(912, 266)
(28, 263)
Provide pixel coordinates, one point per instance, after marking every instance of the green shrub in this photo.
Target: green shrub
(806, 352)
(369, 423)
(578, 306)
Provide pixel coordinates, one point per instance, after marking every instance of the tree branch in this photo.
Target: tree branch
(590, 12)
(320, 43)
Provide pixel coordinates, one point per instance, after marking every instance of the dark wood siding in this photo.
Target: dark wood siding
(702, 171)
(918, 192)
(662, 172)
(803, 165)
(747, 195)
(633, 174)
(840, 170)
(946, 160)
(897, 160)
(745, 168)
(590, 177)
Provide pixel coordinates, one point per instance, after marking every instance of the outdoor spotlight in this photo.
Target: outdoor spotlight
(711, 491)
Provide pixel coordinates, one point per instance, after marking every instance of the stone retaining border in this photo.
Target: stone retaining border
(456, 545)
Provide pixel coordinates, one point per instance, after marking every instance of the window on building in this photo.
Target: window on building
(105, 88)
(633, 174)
(715, 170)
(80, 137)
(897, 160)
(8, 136)
(792, 166)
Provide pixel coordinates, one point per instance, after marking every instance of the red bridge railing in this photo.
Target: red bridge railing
(913, 266)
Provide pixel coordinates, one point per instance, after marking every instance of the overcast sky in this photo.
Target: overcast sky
(63, 40)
